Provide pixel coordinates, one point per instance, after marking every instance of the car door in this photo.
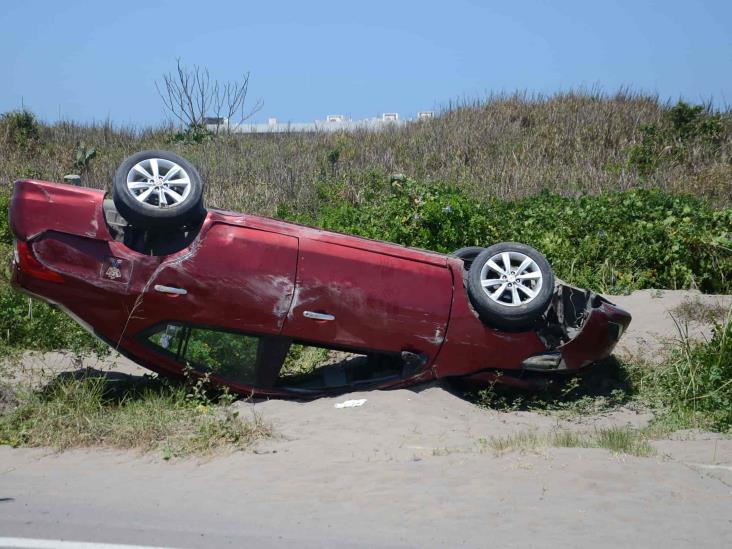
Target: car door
(362, 299)
(232, 277)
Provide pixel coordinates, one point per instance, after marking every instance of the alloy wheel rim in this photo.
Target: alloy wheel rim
(511, 279)
(159, 183)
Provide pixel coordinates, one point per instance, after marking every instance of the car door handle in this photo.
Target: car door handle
(317, 316)
(170, 290)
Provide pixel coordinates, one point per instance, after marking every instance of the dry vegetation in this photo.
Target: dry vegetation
(507, 147)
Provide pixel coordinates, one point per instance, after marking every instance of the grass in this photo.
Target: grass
(148, 415)
(696, 310)
(692, 388)
(596, 390)
(620, 440)
(506, 146)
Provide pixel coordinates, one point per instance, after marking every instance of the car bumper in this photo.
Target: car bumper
(597, 338)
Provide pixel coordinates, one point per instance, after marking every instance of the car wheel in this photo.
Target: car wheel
(156, 189)
(510, 285)
(467, 254)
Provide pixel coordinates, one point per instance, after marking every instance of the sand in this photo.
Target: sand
(658, 322)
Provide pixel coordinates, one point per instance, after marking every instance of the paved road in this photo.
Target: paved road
(406, 469)
(567, 497)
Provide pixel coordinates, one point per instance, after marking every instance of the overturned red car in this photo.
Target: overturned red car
(239, 297)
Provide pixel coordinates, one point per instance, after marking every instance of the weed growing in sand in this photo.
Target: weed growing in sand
(621, 440)
(693, 387)
(696, 310)
(150, 415)
(603, 387)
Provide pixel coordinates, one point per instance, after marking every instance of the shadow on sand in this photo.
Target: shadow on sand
(608, 380)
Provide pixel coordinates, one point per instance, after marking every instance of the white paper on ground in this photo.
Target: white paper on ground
(351, 403)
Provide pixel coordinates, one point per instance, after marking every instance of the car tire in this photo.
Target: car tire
(510, 285)
(158, 189)
(467, 254)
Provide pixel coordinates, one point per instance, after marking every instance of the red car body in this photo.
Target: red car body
(287, 283)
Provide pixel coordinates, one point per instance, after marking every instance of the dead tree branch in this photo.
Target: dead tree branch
(190, 96)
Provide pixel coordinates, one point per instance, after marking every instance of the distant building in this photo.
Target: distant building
(332, 123)
(215, 121)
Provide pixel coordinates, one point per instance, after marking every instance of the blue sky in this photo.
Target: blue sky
(92, 60)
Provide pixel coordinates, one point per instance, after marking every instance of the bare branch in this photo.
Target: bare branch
(189, 96)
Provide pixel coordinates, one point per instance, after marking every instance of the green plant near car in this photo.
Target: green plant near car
(177, 419)
(614, 243)
(690, 388)
(693, 387)
(83, 155)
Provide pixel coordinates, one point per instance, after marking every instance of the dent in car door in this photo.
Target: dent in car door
(235, 277)
(367, 300)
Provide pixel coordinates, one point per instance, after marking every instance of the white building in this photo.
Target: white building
(332, 123)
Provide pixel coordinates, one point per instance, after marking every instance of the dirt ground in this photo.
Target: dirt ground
(407, 468)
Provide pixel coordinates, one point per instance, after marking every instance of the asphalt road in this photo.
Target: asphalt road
(567, 497)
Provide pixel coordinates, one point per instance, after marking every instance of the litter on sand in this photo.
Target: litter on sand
(351, 403)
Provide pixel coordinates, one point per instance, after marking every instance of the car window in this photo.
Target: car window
(228, 355)
(169, 337)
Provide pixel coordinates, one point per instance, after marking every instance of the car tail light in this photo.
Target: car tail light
(25, 261)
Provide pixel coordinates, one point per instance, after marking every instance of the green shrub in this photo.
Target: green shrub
(616, 242)
(19, 129)
(686, 132)
(83, 155)
(193, 135)
(6, 237)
